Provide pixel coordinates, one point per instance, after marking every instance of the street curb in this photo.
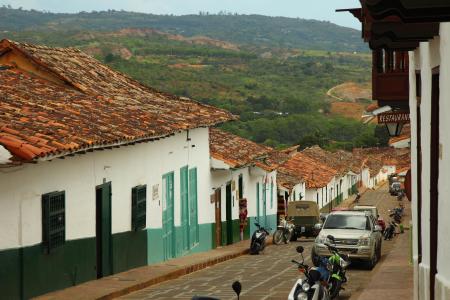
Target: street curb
(173, 275)
(105, 290)
(178, 273)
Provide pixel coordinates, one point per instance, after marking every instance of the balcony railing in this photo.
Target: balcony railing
(390, 80)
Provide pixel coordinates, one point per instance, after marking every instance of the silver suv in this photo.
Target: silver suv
(355, 233)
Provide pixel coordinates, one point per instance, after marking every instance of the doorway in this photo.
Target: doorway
(193, 208)
(264, 206)
(168, 216)
(103, 229)
(229, 214)
(434, 181)
(184, 207)
(218, 204)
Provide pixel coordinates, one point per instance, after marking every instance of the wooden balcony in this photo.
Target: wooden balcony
(390, 76)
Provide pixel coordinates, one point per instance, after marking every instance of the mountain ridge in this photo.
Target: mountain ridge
(251, 30)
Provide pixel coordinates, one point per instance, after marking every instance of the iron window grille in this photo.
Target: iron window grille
(53, 220)
(139, 207)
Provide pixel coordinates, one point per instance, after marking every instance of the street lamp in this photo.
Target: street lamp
(394, 129)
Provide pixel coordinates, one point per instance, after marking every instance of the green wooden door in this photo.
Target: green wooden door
(264, 213)
(168, 216)
(257, 204)
(193, 207)
(229, 215)
(184, 207)
(271, 195)
(103, 230)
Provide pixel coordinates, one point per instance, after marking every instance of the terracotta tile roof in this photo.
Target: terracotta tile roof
(302, 168)
(97, 107)
(377, 158)
(406, 134)
(342, 161)
(238, 152)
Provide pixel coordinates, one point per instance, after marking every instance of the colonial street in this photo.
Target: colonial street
(271, 275)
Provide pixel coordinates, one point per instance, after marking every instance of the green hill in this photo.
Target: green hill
(253, 30)
(276, 83)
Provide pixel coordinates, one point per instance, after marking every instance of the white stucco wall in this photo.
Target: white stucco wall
(429, 55)
(299, 189)
(251, 176)
(444, 165)
(22, 187)
(365, 177)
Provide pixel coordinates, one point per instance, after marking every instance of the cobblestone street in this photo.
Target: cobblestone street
(270, 275)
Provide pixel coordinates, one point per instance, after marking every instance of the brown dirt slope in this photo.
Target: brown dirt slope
(349, 99)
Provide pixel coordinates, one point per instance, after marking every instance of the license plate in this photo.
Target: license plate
(303, 229)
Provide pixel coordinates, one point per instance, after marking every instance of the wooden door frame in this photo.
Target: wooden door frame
(434, 181)
(258, 194)
(193, 199)
(419, 165)
(102, 270)
(166, 190)
(218, 212)
(229, 212)
(184, 205)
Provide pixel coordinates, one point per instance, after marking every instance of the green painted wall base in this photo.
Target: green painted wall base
(129, 250)
(271, 222)
(28, 272)
(155, 250)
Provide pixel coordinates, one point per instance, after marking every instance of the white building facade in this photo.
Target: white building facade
(429, 93)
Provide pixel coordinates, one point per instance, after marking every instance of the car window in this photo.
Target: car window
(357, 222)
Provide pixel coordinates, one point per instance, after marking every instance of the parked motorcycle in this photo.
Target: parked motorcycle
(284, 231)
(396, 217)
(337, 266)
(389, 233)
(400, 195)
(310, 287)
(258, 242)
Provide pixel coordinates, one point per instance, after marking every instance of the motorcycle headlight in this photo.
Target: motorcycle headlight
(364, 242)
(321, 240)
(344, 263)
(302, 296)
(306, 287)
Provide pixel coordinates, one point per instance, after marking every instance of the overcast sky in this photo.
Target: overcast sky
(307, 9)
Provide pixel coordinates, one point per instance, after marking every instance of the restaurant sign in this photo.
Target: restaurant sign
(394, 117)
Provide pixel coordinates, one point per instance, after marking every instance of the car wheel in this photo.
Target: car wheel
(293, 237)
(373, 261)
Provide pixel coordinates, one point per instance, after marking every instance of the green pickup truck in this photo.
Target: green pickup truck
(306, 216)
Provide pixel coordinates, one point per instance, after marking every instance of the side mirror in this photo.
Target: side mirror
(237, 287)
(378, 228)
(300, 249)
(331, 238)
(318, 227)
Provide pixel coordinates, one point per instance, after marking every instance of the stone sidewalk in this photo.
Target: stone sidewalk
(394, 276)
(124, 283)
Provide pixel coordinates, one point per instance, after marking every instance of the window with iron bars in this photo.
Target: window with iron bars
(139, 207)
(53, 220)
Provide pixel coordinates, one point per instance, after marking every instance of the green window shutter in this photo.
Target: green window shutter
(53, 220)
(139, 207)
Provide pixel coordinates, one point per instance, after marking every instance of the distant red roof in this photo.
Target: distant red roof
(93, 106)
(238, 152)
(301, 168)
